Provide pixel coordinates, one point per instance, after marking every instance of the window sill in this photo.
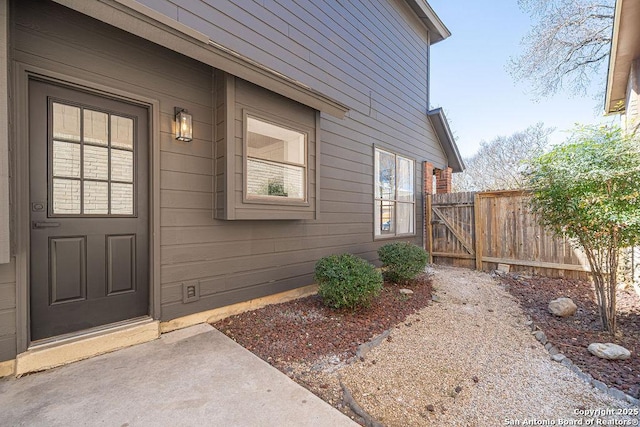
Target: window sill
(395, 236)
(270, 201)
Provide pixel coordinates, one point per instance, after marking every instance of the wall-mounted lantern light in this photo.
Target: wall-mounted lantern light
(184, 125)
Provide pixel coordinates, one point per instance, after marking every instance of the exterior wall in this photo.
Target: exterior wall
(368, 54)
(7, 311)
(377, 66)
(631, 117)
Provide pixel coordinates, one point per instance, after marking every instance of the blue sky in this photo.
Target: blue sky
(470, 81)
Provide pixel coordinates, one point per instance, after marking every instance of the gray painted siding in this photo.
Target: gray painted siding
(8, 310)
(370, 55)
(376, 67)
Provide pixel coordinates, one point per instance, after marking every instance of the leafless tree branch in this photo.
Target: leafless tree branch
(567, 46)
(497, 165)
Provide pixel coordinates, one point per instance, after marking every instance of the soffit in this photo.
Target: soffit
(438, 31)
(443, 132)
(625, 47)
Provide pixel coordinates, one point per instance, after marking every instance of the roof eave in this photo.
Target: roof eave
(437, 30)
(625, 48)
(445, 136)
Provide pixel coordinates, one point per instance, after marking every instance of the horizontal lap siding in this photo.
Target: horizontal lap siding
(370, 55)
(7, 311)
(375, 66)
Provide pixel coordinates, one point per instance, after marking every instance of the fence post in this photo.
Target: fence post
(478, 231)
(428, 236)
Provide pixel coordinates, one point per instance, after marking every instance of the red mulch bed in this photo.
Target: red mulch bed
(304, 330)
(573, 335)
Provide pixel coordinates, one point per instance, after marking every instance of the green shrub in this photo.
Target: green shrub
(402, 261)
(346, 281)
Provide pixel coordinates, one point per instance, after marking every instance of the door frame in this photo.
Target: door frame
(22, 73)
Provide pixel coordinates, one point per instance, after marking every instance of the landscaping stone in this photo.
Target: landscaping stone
(558, 357)
(633, 400)
(562, 307)
(618, 394)
(504, 268)
(553, 351)
(609, 351)
(566, 362)
(540, 336)
(585, 376)
(576, 369)
(365, 348)
(405, 291)
(599, 385)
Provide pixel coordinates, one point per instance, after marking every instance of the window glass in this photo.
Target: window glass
(121, 165)
(66, 122)
(122, 132)
(386, 175)
(405, 179)
(96, 197)
(385, 217)
(122, 199)
(66, 159)
(96, 162)
(405, 220)
(66, 196)
(96, 129)
(270, 142)
(276, 161)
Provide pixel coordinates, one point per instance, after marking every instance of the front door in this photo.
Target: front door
(89, 210)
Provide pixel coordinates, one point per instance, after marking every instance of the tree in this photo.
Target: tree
(567, 46)
(589, 190)
(497, 164)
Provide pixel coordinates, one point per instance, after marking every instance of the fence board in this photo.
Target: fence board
(483, 229)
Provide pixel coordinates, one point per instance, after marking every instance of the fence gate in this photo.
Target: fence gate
(482, 230)
(451, 218)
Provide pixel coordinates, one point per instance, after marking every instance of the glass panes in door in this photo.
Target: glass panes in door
(92, 162)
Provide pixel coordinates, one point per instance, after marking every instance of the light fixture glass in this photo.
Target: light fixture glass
(184, 125)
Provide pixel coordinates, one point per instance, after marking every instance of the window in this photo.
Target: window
(266, 154)
(276, 162)
(394, 195)
(92, 155)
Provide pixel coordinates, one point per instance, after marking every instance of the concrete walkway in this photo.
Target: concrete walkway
(193, 377)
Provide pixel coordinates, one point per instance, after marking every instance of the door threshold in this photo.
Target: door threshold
(64, 349)
(87, 333)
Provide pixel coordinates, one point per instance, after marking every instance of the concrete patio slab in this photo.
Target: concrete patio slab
(194, 376)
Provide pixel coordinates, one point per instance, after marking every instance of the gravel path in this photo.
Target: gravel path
(470, 360)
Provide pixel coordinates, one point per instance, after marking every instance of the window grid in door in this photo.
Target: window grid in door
(92, 161)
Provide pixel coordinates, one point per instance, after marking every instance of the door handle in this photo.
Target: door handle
(45, 224)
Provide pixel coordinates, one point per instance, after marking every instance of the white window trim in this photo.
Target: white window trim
(395, 201)
(273, 200)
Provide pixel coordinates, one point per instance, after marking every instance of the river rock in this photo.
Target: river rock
(563, 307)
(609, 351)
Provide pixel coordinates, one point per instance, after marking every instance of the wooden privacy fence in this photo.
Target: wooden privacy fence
(482, 230)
